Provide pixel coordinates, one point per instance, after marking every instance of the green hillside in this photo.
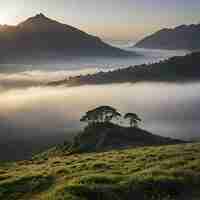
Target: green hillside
(155, 173)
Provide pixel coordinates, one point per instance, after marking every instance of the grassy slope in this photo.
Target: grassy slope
(164, 172)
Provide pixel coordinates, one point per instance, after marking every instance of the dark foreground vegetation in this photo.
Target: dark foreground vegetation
(175, 69)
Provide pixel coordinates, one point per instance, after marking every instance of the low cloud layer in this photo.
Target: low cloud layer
(54, 109)
(41, 116)
(37, 77)
(33, 117)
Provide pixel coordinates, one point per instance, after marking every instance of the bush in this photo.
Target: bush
(28, 184)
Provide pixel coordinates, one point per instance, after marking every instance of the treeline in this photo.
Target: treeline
(175, 69)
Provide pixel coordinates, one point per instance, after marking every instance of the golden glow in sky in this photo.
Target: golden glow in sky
(4, 18)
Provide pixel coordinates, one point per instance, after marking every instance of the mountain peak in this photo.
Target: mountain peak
(37, 22)
(42, 39)
(40, 15)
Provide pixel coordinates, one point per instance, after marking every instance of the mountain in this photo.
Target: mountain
(149, 173)
(175, 69)
(108, 136)
(40, 39)
(181, 37)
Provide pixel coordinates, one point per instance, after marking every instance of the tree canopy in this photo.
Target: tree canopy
(100, 114)
(133, 119)
(105, 114)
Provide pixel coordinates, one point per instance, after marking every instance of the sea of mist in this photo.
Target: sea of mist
(34, 117)
(33, 75)
(43, 116)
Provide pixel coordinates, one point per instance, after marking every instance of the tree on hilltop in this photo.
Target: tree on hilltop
(133, 119)
(102, 114)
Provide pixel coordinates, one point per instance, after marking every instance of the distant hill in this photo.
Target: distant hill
(175, 69)
(40, 39)
(181, 37)
(108, 136)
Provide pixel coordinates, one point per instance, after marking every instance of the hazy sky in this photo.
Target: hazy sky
(110, 19)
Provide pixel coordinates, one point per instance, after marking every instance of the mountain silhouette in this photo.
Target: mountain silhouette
(40, 39)
(181, 37)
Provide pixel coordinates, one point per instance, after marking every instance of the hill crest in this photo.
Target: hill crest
(108, 136)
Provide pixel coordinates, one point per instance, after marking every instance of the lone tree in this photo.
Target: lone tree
(133, 119)
(102, 114)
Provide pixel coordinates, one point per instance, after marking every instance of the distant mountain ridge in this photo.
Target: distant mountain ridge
(175, 69)
(180, 37)
(41, 39)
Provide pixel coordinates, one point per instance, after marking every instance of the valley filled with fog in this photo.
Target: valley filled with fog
(34, 116)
